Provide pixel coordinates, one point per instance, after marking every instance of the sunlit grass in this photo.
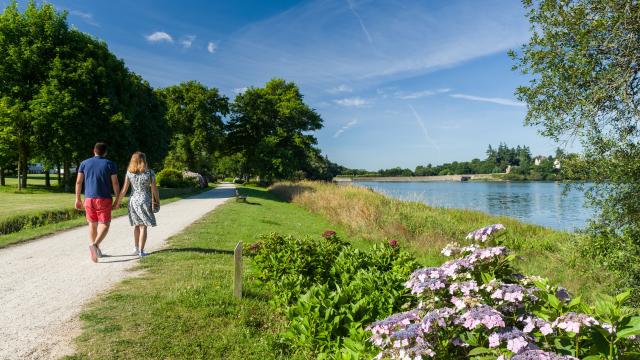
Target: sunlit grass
(367, 214)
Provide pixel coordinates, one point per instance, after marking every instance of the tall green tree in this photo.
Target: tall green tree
(271, 127)
(29, 41)
(583, 64)
(194, 116)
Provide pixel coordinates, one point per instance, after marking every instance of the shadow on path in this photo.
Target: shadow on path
(195, 250)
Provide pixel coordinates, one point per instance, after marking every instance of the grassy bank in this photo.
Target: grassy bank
(372, 216)
(49, 202)
(182, 308)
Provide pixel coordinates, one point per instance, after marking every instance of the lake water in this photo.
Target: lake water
(542, 203)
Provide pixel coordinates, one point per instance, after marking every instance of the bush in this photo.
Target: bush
(238, 181)
(332, 290)
(172, 178)
(19, 222)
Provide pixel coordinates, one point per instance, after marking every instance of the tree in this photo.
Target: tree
(194, 116)
(582, 60)
(270, 127)
(29, 42)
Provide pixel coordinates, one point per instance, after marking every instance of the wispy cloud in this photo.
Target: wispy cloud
(85, 16)
(295, 44)
(340, 89)
(414, 95)
(240, 90)
(352, 102)
(212, 47)
(346, 127)
(187, 41)
(424, 129)
(494, 100)
(159, 36)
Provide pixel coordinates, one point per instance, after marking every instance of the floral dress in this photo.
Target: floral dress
(140, 210)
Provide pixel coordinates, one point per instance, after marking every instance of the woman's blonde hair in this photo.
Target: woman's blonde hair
(138, 163)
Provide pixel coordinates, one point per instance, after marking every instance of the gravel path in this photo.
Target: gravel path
(44, 283)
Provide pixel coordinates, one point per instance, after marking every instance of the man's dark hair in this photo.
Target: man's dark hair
(100, 149)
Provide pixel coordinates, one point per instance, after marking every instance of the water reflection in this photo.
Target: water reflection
(540, 203)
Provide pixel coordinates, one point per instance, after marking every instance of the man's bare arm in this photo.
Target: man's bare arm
(79, 181)
(116, 186)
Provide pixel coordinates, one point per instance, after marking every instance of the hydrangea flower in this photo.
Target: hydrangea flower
(516, 339)
(572, 322)
(436, 317)
(386, 327)
(466, 287)
(481, 315)
(532, 322)
(484, 233)
(510, 293)
(541, 355)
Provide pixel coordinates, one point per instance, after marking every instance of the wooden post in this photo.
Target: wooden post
(237, 280)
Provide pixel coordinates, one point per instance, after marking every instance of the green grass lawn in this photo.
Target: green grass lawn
(37, 199)
(182, 306)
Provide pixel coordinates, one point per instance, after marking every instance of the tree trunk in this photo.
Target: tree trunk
(59, 176)
(47, 178)
(2, 181)
(67, 177)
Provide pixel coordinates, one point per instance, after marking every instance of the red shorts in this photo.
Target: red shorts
(98, 210)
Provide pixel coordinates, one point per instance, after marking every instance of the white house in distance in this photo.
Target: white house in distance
(539, 159)
(38, 168)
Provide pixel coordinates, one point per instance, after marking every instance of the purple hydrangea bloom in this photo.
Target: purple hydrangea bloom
(484, 233)
(517, 341)
(509, 292)
(541, 355)
(436, 317)
(481, 315)
(532, 322)
(466, 287)
(572, 322)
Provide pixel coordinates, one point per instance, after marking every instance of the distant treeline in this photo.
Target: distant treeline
(516, 160)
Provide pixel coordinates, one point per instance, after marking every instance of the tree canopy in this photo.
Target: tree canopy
(583, 64)
(270, 127)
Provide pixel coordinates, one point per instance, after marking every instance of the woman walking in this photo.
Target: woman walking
(144, 199)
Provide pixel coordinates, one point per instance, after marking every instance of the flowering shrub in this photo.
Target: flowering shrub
(476, 306)
(333, 290)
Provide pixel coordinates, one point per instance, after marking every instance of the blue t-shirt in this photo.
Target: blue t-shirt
(97, 177)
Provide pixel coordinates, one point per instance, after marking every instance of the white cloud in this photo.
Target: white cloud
(354, 101)
(340, 89)
(159, 36)
(240, 90)
(212, 47)
(85, 16)
(346, 127)
(187, 41)
(494, 100)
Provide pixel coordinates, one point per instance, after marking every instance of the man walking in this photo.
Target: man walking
(100, 177)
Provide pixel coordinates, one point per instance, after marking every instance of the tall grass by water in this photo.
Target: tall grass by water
(426, 230)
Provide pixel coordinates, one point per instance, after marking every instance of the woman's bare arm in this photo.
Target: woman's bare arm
(123, 193)
(155, 195)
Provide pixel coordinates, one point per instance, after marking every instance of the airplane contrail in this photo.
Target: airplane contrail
(424, 129)
(364, 28)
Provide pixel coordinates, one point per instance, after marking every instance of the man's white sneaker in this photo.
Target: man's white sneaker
(136, 251)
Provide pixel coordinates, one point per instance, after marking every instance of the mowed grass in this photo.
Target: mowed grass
(181, 307)
(34, 198)
(372, 216)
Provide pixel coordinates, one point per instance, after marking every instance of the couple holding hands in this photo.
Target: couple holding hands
(100, 178)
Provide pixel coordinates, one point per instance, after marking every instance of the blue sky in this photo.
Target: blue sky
(398, 83)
